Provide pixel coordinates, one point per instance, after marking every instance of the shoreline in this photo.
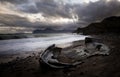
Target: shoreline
(5, 58)
(96, 66)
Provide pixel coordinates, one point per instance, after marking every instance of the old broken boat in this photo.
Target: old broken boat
(57, 57)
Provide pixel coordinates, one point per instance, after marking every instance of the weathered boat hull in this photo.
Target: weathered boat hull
(77, 53)
(47, 58)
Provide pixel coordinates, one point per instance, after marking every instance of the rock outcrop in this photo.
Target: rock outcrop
(108, 25)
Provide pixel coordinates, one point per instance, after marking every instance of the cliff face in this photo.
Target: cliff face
(108, 25)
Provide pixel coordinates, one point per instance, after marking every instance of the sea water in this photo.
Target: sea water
(15, 46)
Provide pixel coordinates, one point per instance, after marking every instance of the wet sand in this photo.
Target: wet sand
(95, 66)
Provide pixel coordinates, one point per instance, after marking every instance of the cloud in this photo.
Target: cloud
(14, 1)
(46, 7)
(17, 21)
(98, 10)
(87, 12)
(54, 9)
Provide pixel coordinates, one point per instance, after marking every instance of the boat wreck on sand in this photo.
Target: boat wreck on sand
(57, 57)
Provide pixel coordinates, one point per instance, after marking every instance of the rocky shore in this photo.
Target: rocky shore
(96, 66)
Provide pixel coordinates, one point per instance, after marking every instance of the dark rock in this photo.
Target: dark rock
(108, 25)
(81, 73)
(88, 40)
(98, 47)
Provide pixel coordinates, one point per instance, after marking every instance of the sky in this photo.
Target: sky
(28, 15)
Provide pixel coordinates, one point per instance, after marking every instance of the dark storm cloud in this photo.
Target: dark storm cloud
(14, 20)
(46, 7)
(98, 10)
(50, 9)
(87, 13)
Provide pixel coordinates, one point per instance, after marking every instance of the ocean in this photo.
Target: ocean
(15, 46)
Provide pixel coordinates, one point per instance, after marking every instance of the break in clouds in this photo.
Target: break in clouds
(63, 14)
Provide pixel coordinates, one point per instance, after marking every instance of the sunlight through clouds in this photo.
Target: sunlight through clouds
(78, 1)
(87, 1)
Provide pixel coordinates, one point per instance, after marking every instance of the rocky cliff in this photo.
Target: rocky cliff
(108, 25)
